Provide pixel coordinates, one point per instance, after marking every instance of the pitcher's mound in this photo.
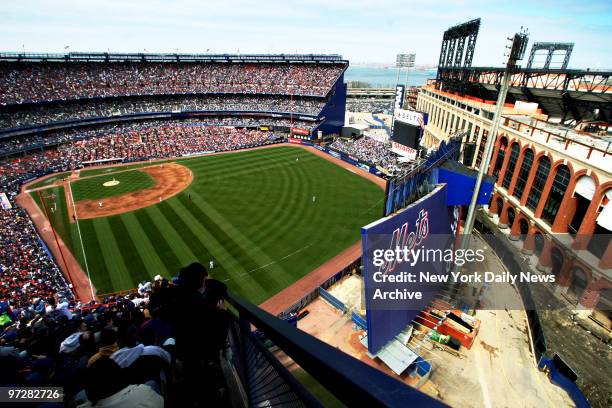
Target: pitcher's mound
(111, 183)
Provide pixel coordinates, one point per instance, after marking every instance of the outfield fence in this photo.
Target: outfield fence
(334, 301)
(314, 293)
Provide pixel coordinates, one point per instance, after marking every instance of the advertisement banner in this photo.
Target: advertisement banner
(411, 117)
(294, 141)
(348, 159)
(335, 154)
(323, 149)
(405, 263)
(399, 97)
(4, 202)
(307, 143)
(405, 151)
(299, 131)
(363, 166)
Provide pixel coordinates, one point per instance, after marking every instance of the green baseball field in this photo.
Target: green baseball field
(264, 217)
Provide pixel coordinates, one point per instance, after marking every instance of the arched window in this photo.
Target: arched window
(511, 216)
(523, 175)
(558, 190)
(539, 243)
(557, 260)
(538, 183)
(579, 283)
(514, 152)
(501, 154)
(524, 228)
(583, 194)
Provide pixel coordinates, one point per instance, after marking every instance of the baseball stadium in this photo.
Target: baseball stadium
(199, 229)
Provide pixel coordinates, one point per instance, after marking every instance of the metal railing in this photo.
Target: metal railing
(267, 382)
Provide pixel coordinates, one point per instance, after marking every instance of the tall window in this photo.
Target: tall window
(501, 154)
(557, 191)
(523, 175)
(481, 148)
(514, 152)
(538, 183)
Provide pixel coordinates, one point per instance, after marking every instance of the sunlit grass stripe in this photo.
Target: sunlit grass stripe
(222, 237)
(175, 240)
(95, 258)
(110, 250)
(148, 253)
(137, 269)
(192, 240)
(242, 239)
(226, 266)
(171, 262)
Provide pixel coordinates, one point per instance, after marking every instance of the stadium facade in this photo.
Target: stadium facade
(553, 184)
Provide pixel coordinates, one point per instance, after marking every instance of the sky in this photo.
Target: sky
(359, 30)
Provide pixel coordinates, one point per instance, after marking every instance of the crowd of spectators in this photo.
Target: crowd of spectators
(368, 150)
(19, 144)
(32, 115)
(366, 105)
(37, 81)
(159, 346)
(27, 273)
(137, 141)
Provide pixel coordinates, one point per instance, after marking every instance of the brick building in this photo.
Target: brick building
(553, 188)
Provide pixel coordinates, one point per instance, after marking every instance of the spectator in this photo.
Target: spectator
(107, 388)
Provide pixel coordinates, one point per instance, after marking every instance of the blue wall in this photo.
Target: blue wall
(334, 109)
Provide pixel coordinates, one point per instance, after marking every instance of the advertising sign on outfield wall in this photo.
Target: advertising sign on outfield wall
(294, 141)
(411, 117)
(299, 131)
(397, 287)
(402, 150)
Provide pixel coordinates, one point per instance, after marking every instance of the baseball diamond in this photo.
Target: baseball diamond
(212, 218)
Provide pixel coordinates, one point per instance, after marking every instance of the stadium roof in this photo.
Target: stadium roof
(565, 94)
(148, 57)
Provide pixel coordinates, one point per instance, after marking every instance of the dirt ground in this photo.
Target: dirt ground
(170, 179)
(498, 371)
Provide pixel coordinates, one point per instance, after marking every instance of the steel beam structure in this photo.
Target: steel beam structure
(550, 48)
(453, 44)
(572, 93)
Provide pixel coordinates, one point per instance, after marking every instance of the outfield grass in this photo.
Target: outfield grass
(93, 188)
(251, 212)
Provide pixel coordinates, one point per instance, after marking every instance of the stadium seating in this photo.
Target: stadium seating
(368, 150)
(30, 115)
(35, 82)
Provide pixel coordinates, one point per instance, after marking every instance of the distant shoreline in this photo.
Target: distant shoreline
(387, 77)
